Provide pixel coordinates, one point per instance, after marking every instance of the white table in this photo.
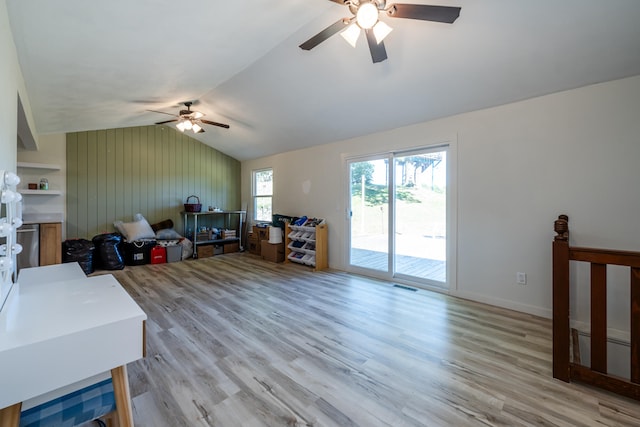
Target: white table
(59, 327)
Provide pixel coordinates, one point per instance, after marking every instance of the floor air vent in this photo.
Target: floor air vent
(406, 288)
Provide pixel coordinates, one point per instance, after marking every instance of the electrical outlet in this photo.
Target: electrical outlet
(521, 278)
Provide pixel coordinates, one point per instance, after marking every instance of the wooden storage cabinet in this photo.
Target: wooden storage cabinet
(307, 245)
(50, 243)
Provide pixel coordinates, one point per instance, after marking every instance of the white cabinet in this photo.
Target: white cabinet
(307, 244)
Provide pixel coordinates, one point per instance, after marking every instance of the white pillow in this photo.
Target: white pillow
(137, 230)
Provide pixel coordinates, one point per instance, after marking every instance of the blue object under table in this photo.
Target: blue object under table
(72, 409)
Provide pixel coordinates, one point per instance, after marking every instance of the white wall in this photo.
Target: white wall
(519, 166)
(11, 83)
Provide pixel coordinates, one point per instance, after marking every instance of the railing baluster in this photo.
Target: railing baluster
(599, 317)
(635, 324)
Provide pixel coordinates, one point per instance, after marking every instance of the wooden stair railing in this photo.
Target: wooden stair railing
(563, 367)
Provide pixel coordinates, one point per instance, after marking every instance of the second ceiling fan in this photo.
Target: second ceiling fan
(366, 16)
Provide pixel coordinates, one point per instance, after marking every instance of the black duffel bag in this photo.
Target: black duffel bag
(108, 255)
(80, 251)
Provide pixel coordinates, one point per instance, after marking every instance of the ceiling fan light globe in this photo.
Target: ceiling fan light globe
(367, 15)
(197, 115)
(381, 30)
(196, 128)
(188, 124)
(351, 34)
(180, 126)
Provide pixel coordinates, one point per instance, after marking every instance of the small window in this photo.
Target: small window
(263, 194)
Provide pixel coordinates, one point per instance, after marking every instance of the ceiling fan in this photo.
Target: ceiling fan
(366, 16)
(189, 120)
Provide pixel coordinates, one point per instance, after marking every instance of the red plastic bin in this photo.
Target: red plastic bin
(158, 255)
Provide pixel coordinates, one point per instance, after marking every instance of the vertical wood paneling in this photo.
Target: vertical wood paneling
(186, 163)
(111, 174)
(144, 178)
(164, 211)
(235, 177)
(157, 167)
(193, 178)
(217, 178)
(119, 168)
(93, 211)
(116, 173)
(135, 170)
(82, 189)
(178, 193)
(101, 177)
(205, 172)
(127, 205)
(72, 185)
(216, 184)
(171, 175)
(197, 171)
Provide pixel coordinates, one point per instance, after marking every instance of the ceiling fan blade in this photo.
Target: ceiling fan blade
(323, 35)
(338, 1)
(209, 122)
(446, 14)
(161, 112)
(378, 52)
(167, 121)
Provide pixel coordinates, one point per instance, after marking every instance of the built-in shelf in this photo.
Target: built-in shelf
(40, 192)
(38, 166)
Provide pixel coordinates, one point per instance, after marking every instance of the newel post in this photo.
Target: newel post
(561, 327)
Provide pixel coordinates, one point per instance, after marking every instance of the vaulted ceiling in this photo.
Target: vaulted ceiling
(96, 65)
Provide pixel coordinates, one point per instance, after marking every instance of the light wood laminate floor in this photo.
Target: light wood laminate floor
(236, 341)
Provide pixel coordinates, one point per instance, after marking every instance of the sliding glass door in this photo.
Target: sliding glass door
(398, 215)
(421, 216)
(370, 214)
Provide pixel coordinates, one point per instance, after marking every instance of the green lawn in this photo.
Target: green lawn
(419, 210)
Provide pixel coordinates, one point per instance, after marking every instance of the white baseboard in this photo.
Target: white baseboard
(498, 302)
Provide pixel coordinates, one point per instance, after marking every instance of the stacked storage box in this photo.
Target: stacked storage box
(273, 252)
(258, 235)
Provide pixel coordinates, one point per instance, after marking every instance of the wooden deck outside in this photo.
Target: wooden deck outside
(423, 268)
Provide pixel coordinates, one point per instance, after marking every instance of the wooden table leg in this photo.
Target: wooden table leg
(10, 416)
(122, 396)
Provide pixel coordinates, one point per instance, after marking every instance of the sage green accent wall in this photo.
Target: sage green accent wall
(115, 173)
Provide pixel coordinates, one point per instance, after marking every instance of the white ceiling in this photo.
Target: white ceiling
(101, 64)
